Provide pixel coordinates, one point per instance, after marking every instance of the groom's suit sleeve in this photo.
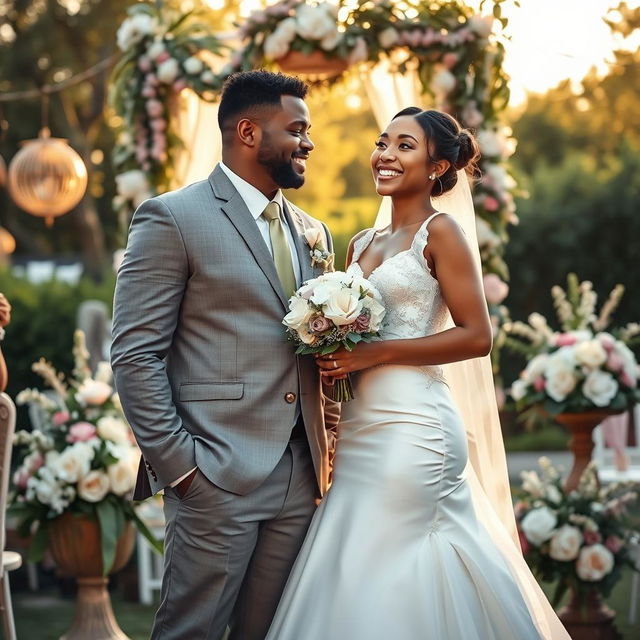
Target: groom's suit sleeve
(149, 291)
(331, 408)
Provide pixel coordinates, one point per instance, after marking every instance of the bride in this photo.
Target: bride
(396, 549)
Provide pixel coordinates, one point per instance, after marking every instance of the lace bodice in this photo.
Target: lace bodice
(410, 294)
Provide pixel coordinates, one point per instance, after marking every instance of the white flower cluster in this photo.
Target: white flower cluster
(316, 23)
(334, 301)
(595, 365)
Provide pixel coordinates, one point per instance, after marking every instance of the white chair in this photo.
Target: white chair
(604, 456)
(10, 559)
(150, 562)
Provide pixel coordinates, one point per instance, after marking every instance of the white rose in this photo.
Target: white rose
(113, 429)
(565, 543)
(276, 46)
(121, 477)
(324, 291)
(155, 49)
(132, 183)
(94, 486)
(331, 40)
(559, 373)
(482, 25)
(207, 77)
(313, 22)
(600, 387)
(594, 563)
(388, 38)
(376, 313)
(193, 65)
(591, 353)
(536, 367)
(93, 392)
(343, 307)
(287, 29)
(489, 143)
(519, 389)
(306, 336)
(134, 29)
(553, 494)
(74, 462)
(538, 525)
(299, 313)
(313, 236)
(103, 373)
(499, 176)
(443, 82)
(168, 71)
(532, 484)
(486, 237)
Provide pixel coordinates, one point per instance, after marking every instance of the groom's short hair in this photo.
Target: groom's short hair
(245, 92)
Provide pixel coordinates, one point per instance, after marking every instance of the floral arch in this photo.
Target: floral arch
(438, 52)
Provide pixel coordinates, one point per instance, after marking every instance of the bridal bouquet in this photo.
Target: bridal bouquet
(582, 367)
(334, 310)
(80, 457)
(579, 539)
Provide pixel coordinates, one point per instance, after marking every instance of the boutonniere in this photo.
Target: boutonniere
(317, 251)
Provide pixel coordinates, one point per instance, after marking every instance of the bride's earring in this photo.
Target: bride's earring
(432, 176)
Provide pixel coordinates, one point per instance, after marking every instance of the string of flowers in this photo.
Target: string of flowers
(164, 51)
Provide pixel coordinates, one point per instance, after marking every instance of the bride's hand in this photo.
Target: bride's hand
(341, 362)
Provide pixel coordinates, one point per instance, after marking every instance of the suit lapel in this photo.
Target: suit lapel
(240, 217)
(296, 224)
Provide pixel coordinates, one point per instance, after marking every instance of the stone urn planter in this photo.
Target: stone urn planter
(313, 64)
(589, 618)
(75, 544)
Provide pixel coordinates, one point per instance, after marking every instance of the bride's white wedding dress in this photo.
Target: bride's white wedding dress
(395, 551)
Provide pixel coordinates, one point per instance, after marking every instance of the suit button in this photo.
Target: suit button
(290, 397)
(148, 466)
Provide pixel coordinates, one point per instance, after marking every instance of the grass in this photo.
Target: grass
(548, 438)
(45, 615)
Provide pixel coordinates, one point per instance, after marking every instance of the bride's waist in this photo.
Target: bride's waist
(398, 374)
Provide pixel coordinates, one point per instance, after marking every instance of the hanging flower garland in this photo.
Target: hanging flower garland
(164, 52)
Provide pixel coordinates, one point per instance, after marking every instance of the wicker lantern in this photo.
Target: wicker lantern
(47, 178)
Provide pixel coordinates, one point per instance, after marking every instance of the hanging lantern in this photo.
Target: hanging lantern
(47, 178)
(3, 172)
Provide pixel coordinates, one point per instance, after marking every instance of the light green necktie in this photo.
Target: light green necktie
(280, 247)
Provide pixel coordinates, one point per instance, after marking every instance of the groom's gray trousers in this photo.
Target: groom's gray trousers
(214, 538)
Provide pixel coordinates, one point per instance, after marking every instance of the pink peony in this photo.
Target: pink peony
(81, 432)
(538, 384)
(158, 124)
(144, 64)
(60, 417)
(154, 108)
(627, 380)
(318, 324)
(148, 92)
(163, 57)
(494, 289)
(613, 543)
(592, 537)
(21, 477)
(565, 340)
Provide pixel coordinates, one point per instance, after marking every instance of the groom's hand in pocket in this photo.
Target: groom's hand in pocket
(183, 486)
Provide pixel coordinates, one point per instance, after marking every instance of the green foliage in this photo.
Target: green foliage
(43, 320)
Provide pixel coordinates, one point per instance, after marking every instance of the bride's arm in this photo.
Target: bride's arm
(450, 259)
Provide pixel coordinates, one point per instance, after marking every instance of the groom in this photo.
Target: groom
(231, 424)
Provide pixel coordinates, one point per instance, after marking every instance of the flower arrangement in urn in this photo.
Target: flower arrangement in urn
(582, 367)
(82, 459)
(580, 538)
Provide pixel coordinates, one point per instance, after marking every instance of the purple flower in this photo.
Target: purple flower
(319, 324)
(361, 323)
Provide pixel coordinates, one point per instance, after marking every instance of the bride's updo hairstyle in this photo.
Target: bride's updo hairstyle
(447, 140)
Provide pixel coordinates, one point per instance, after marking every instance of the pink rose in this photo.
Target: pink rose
(148, 92)
(428, 38)
(607, 342)
(81, 432)
(592, 537)
(361, 323)
(154, 108)
(179, 85)
(144, 64)
(158, 124)
(524, 543)
(627, 380)
(538, 384)
(615, 361)
(494, 289)
(21, 477)
(60, 417)
(162, 57)
(565, 340)
(318, 324)
(613, 543)
(151, 80)
(491, 204)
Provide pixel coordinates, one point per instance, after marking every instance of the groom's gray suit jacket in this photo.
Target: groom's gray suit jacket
(201, 362)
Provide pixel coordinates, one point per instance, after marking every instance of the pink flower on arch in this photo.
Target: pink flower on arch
(81, 432)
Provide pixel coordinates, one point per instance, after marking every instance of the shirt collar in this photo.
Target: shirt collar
(255, 200)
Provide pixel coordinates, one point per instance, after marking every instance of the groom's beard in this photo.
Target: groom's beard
(282, 173)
